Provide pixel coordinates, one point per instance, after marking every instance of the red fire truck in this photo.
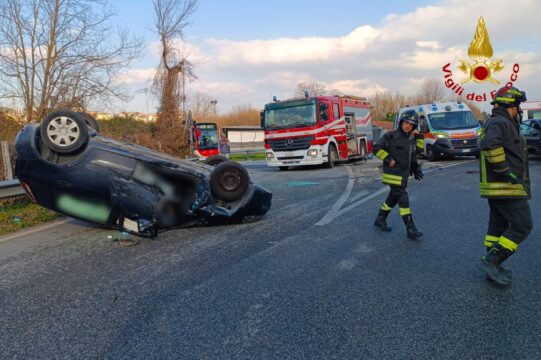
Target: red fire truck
(316, 130)
(204, 140)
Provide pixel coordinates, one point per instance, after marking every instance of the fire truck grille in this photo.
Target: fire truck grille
(290, 157)
(464, 143)
(290, 144)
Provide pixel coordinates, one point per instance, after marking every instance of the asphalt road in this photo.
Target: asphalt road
(313, 280)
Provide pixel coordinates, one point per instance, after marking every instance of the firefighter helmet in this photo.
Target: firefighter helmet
(411, 117)
(509, 97)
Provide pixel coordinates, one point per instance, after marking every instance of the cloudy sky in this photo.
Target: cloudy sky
(248, 51)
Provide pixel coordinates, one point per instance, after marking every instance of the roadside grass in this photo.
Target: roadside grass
(22, 214)
(241, 157)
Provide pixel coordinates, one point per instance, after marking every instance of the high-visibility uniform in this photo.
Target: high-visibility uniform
(504, 160)
(402, 148)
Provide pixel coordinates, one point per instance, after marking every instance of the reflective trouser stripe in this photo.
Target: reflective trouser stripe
(385, 207)
(491, 240)
(494, 152)
(502, 189)
(382, 154)
(420, 144)
(391, 179)
(495, 156)
(405, 211)
(507, 243)
(495, 159)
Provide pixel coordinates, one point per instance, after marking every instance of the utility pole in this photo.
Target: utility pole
(214, 102)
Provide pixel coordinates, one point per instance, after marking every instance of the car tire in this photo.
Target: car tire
(229, 181)
(64, 131)
(90, 121)
(331, 157)
(430, 155)
(215, 160)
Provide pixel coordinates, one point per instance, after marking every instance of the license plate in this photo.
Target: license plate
(466, 150)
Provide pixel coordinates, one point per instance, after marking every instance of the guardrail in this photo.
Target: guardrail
(247, 151)
(10, 188)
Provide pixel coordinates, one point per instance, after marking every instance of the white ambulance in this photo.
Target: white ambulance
(449, 128)
(531, 110)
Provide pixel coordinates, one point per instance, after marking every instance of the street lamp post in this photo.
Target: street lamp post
(214, 102)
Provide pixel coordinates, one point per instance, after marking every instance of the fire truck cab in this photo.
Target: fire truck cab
(316, 130)
(204, 140)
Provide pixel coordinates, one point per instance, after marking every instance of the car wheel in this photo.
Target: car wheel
(430, 155)
(90, 121)
(331, 156)
(229, 181)
(64, 131)
(283, 168)
(215, 160)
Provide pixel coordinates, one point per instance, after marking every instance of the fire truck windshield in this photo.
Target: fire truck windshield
(290, 116)
(208, 139)
(453, 120)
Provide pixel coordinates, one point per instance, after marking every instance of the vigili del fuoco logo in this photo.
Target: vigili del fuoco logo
(480, 69)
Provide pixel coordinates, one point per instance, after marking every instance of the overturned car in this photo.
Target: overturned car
(65, 165)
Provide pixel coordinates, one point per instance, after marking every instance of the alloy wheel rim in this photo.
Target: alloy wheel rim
(63, 131)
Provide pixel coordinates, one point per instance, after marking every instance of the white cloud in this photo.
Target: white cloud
(137, 76)
(435, 45)
(396, 56)
(219, 88)
(356, 87)
(280, 51)
(282, 79)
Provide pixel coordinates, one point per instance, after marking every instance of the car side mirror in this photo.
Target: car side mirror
(262, 118)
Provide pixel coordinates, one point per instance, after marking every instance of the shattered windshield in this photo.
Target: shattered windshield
(453, 120)
(291, 116)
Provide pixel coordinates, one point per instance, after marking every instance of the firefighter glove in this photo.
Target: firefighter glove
(511, 177)
(418, 174)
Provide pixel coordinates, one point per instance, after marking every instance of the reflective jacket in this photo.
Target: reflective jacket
(503, 151)
(401, 147)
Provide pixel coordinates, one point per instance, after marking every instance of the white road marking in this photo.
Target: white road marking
(342, 199)
(336, 211)
(33, 230)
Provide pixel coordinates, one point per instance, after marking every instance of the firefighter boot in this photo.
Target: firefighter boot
(381, 221)
(491, 264)
(411, 229)
(508, 273)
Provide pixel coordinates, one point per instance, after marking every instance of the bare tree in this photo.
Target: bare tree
(386, 104)
(241, 114)
(201, 107)
(431, 90)
(56, 53)
(171, 18)
(313, 88)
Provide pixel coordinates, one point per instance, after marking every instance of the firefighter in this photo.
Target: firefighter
(398, 151)
(505, 182)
